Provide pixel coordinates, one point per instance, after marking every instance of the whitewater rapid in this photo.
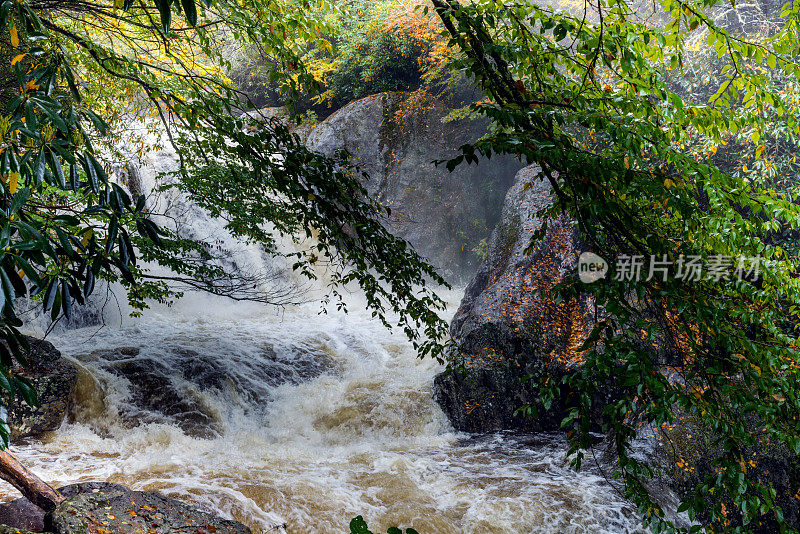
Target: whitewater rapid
(291, 420)
(354, 432)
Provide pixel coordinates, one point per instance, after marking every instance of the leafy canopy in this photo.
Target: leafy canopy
(593, 95)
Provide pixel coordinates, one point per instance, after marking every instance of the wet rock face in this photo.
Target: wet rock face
(23, 514)
(443, 215)
(182, 387)
(134, 512)
(4, 529)
(155, 394)
(505, 329)
(54, 379)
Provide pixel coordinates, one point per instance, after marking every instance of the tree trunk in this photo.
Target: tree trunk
(32, 487)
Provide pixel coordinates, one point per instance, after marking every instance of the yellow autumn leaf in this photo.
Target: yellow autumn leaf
(14, 36)
(18, 58)
(13, 178)
(668, 183)
(86, 237)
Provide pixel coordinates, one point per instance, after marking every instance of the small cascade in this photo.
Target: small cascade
(276, 416)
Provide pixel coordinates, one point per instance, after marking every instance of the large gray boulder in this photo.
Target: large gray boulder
(54, 379)
(509, 327)
(443, 215)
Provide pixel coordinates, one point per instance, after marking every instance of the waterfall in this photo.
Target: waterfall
(291, 417)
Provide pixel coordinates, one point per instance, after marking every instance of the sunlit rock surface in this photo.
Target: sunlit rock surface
(54, 379)
(506, 329)
(443, 215)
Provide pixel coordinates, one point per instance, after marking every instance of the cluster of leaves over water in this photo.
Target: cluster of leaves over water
(590, 95)
(359, 526)
(64, 224)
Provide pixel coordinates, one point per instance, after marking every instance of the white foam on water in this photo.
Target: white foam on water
(287, 416)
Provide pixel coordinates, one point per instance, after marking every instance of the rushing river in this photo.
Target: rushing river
(363, 436)
(294, 418)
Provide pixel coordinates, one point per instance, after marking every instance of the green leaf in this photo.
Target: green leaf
(164, 8)
(50, 294)
(91, 171)
(66, 299)
(190, 10)
(359, 526)
(27, 391)
(57, 169)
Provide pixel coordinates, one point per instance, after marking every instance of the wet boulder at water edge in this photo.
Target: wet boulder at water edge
(505, 329)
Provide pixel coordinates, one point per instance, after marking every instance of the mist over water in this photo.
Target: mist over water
(288, 417)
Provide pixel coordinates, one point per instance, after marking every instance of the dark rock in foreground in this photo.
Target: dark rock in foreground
(106, 508)
(4, 529)
(134, 512)
(23, 514)
(686, 451)
(506, 328)
(54, 379)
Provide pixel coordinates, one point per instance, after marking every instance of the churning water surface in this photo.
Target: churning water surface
(295, 418)
(302, 420)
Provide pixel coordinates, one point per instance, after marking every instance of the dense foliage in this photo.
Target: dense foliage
(369, 47)
(667, 132)
(379, 47)
(597, 98)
